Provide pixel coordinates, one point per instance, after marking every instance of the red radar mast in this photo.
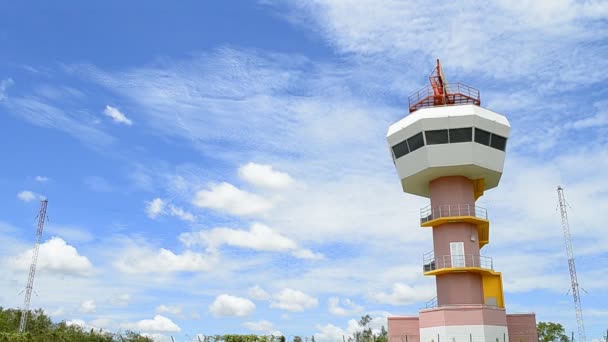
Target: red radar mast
(442, 93)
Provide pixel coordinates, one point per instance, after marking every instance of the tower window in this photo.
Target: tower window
(482, 137)
(451, 136)
(498, 142)
(436, 137)
(458, 135)
(400, 149)
(415, 142)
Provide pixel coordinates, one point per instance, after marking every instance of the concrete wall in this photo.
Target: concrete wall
(463, 325)
(459, 288)
(465, 333)
(403, 329)
(522, 327)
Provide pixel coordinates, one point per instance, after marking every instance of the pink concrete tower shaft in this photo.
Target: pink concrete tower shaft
(464, 287)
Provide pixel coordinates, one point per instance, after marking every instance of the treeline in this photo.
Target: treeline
(364, 334)
(243, 338)
(40, 328)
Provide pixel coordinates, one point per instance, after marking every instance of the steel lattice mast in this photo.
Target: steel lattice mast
(30, 279)
(571, 266)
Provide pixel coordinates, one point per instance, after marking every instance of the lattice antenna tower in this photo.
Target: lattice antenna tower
(571, 266)
(30, 280)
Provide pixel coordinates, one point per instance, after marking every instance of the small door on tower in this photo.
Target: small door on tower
(457, 254)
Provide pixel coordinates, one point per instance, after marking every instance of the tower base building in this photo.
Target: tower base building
(451, 150)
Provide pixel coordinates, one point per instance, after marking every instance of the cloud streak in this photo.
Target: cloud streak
(117, 116)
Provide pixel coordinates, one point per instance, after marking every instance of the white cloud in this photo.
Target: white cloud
(379, 319)
(27, 196)
(258, 293)
(60, 311)
(41, 179)
(398, 30)
(348, 307)
(227, 198)
(264, 176)
(156, 337)
(158, 323)
(55, 256)
(259, 237)
(180, 213)
(121, 300)
(293, 300)
(158, 207)
(4, 85)
(117, 116)
(227, 305)
(343, 210)
(155, 207)
(76, 322)
(88, 306)
(69, 120)
(403, 294)
(330, 332)
(264, 327)
(174, 310)
(136, 259)
(303, 253)
(599, 119)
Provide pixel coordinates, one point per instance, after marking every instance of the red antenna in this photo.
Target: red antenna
(437, 82)
(442, 93)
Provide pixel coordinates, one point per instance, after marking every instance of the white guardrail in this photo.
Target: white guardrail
(431, 263)
(429, 213)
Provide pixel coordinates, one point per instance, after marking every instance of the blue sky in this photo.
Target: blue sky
(217, 167)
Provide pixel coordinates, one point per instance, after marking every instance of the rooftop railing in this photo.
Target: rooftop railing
(455, 94)
(431, 303)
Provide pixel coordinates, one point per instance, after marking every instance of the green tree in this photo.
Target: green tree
(551, 332)
(40, 328)
(366, 334)
(297, 339)
(383, 337)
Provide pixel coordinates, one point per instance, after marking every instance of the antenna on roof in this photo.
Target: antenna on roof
(442, 93)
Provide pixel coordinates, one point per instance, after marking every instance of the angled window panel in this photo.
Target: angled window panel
(498, 142)
(458, 135)
(482, 137)
(401, 149)
(436, 137)
(415, 142)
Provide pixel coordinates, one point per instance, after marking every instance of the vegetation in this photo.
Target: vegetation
(551, 332)
(366, 334)
(40, 328)
(246, 338)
